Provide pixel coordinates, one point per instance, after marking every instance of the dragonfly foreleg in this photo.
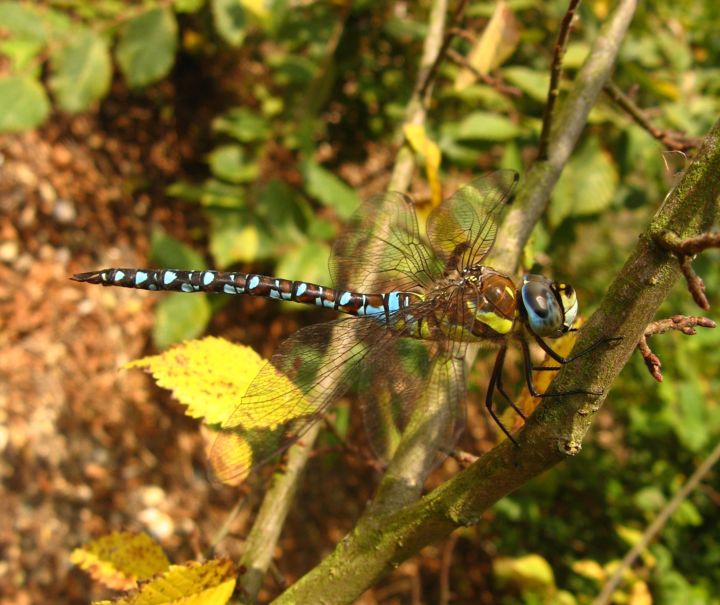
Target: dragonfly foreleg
(560, 359)
(529, 378)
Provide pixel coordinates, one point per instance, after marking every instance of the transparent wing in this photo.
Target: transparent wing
(462, 229)
(422, 376)
(309, 371)
(381, 249)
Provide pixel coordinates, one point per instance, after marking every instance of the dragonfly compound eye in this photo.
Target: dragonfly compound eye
(543, 307)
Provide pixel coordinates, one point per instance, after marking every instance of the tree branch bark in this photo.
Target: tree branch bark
(557, 427)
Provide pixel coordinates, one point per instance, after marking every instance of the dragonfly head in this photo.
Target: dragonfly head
(550, 306)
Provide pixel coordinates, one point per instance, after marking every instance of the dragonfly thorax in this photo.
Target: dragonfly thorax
(549, 307)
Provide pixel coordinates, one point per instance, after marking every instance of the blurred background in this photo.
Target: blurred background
(240, 133)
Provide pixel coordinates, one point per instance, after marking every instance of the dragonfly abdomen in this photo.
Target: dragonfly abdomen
(251, 284)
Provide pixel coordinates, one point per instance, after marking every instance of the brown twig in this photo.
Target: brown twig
(555, 72)
(685, 249)
(681, 323)
(496, 83)
(450, 33)
(675, 141)
(447, 556)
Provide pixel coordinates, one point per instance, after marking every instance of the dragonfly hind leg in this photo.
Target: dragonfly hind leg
(496, 382)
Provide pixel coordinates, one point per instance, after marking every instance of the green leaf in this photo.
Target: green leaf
(188, 6)
(242, 124)
(483, 126)
(230, 20)
(146, 50)
(237, 236)
(308, 262)
(329, 189)
(166, 251)
(23, 103)
(212, 193)
(228, 162)
(21, 21)
(180, 317)
(82, 71)
(587, 185)
(533, 83)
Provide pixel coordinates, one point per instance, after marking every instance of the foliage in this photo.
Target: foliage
(124, 561)
(329, 89)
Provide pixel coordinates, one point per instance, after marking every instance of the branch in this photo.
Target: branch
(277, 501)
(684, 249)
(416, 111)
(534, 191)
(605, 597)
(262, 539)
(683, 324)
(672, 140)
(557, 427)
(555, 73)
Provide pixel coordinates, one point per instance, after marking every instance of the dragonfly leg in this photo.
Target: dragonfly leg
(531, 384)
(496, 380)
(560, 359)
(501, 389)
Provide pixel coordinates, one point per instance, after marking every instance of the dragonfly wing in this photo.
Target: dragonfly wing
(309, 371)
(422, 376)
(462, 229)
(381, 249)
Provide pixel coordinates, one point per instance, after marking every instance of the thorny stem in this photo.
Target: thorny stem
(672, 140)
(555, 73)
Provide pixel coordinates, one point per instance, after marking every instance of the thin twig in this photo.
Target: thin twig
(496, 83)
(691, 245)
(685, 249)
(555, 73)
(672, 140)
(446, 564)
(606, 595)
(681, 323)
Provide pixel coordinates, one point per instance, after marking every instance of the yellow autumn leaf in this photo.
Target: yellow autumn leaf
(418, 139)
(210, 376)
(121, 559)
(590, 569)
(529, 571)
(497, 42)
(640, 594)
(209, 583)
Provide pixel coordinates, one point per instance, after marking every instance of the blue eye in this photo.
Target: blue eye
(544, 311)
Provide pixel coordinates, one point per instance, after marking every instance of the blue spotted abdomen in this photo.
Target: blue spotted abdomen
(229, 282)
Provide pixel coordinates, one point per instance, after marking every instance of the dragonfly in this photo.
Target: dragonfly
(411, 301)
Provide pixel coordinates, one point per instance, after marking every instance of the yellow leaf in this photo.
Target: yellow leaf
(497, 43)
(418, 139)
(590, 569)
(209, 376)
(209, 583)
(640, 594)
(529, 571)
(119, 560)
